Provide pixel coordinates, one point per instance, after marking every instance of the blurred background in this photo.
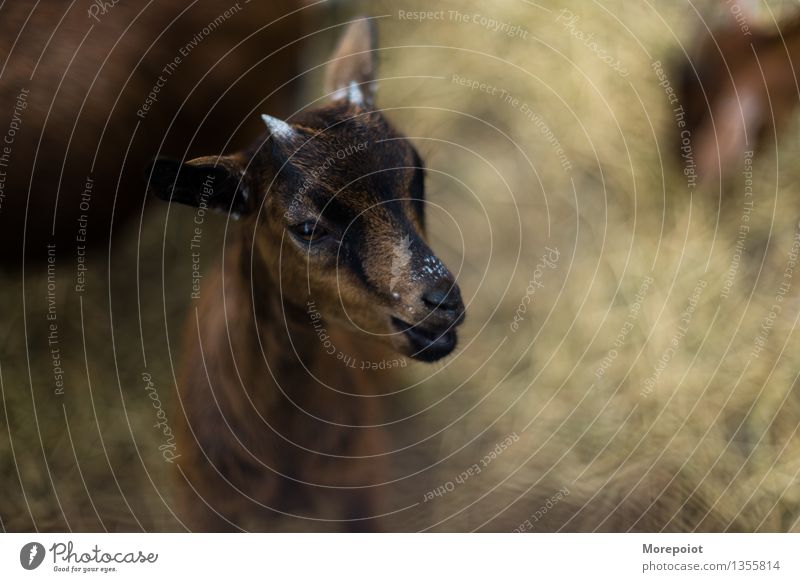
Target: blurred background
(628, 360)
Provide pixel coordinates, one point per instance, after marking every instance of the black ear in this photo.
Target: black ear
(351, 72)
(215, 182)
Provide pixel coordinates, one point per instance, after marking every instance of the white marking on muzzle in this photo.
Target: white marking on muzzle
(401, 257)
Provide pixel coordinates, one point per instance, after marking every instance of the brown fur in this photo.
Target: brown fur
(81, 114)
(249, 418)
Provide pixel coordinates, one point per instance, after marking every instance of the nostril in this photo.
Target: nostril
(445, 297)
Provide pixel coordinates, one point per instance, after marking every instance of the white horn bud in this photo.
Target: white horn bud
(277, 127)
(354, 94)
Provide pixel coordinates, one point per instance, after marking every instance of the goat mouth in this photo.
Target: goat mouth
(427, 345)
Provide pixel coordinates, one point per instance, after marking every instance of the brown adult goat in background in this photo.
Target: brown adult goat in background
(738, 88)
(328, 251)
(90, 92)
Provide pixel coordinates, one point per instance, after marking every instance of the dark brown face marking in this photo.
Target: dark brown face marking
(334, 203)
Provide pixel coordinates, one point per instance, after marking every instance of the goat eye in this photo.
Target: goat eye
(309, 231)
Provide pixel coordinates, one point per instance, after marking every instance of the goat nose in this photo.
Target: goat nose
(444, 295)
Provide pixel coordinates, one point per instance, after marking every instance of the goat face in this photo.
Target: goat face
(332, 203)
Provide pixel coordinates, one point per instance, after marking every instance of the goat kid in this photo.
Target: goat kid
(329, 232)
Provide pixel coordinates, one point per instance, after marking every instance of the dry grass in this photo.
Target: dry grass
(713, 445)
